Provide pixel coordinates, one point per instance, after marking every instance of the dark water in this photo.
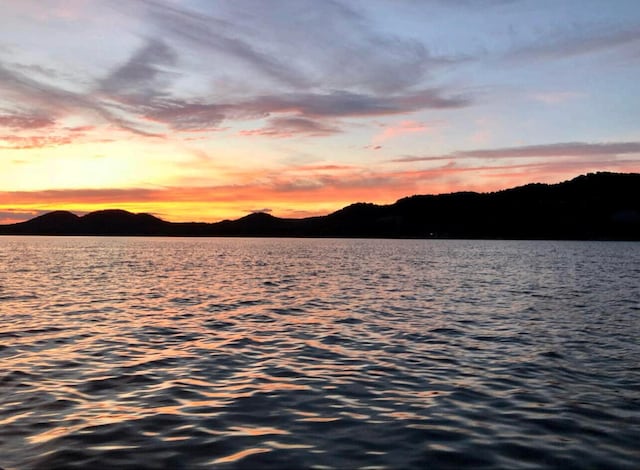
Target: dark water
(267, 353)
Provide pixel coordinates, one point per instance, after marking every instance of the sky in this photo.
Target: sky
(203, 110)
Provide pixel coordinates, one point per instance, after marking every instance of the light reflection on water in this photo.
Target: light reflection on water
(271, 353)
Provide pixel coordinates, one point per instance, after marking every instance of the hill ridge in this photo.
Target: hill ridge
(602, 205)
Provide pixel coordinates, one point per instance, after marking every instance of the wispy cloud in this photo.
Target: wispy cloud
(559, 150)
(29, 131)
(297, 110)
(331, 44)
(53, 101)
(140, 74)
(20, 121)
(370, 74)
(214, 81)
(405, 127)
(301, 76)
(211, 34)
(349, 104)
(10, 141)
(292, 126)
(579, 40)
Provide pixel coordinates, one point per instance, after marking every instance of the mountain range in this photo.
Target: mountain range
(596, 206)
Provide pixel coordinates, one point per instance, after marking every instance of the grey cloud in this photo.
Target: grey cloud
(35, 92)
(563, 149)
(331, 62)
(301, 125)
(184, 115)
(140, 72)
(55, 101)
(291, 126)
(339, 47)
(578, 41)
(414, 158)
(302, 44)
(214, 34)
(301, 109)
(37, 70)
(478, 4)
(344, 103)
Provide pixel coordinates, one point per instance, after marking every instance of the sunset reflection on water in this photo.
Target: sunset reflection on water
(195, 353)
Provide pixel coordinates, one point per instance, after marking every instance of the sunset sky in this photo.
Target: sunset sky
(204, 110)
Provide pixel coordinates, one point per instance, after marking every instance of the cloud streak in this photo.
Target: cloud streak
(557, 150)
(10, 141)
(140, 74)
(302, 82)
(579, 41)
(54, 102)
(210, 33)
(292, 126)
(298, 110)
(304, 54)
(370, 74)
(405, 127)
(25, 121)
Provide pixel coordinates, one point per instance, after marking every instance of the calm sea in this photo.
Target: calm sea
(285, 353)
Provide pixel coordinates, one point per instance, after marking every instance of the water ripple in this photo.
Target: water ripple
(231, 353)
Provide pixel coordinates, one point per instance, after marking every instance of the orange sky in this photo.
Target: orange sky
(200, 111)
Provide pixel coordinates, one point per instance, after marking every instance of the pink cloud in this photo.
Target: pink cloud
(31, 142)
(22, 121)
(401, 128)
(292, 126)
(40, 132)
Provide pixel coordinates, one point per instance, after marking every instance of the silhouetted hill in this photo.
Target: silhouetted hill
(593, 206)
(57, 222)
(119, 222)
(105, 222)
(257, 223)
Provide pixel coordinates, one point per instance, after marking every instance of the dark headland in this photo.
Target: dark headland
(596, 206)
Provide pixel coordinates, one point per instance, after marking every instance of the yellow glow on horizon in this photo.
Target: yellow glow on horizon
(186, 211)
(113, 164)
(180, 183)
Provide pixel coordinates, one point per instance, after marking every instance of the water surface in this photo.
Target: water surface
(281, 353)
